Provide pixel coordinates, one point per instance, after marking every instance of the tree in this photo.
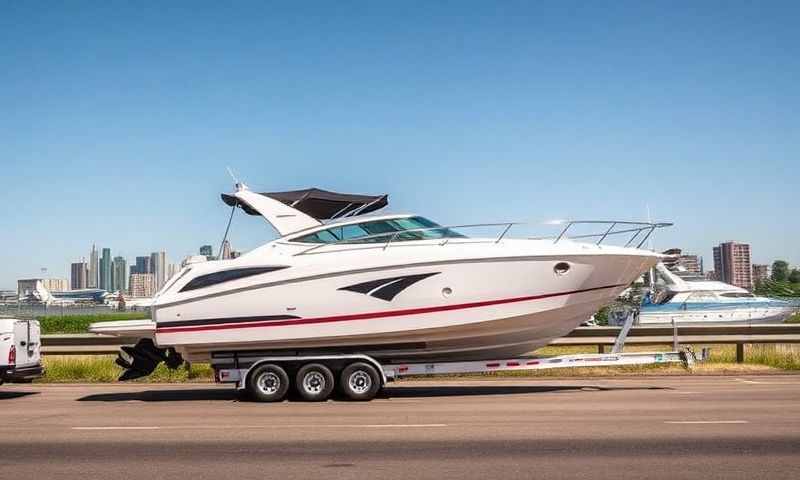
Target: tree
(794, 277)
(780, 270)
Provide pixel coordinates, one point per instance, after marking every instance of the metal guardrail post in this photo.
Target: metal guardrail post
(674, 336)
(740, 353)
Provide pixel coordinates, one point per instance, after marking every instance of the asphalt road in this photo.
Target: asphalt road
(698, 427)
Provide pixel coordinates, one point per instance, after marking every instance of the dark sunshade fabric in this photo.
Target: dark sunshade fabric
(319, 204)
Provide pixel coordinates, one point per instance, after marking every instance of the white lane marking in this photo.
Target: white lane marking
(116, 428)
(266, 427)
(706, 422)
(684, 393)
(420, 425)
(753, 382)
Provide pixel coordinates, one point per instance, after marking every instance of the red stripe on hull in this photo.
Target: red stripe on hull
(371, 315)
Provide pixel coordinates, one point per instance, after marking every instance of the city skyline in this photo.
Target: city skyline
(461, 112)
(144, 264)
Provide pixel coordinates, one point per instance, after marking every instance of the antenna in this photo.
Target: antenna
(649, 220)
(233, 176)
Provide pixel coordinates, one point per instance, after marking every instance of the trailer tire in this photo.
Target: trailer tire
(268, 383)
(314, 382)
(360, 381)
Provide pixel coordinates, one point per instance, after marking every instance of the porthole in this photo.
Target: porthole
(447, 291)
(561, 268)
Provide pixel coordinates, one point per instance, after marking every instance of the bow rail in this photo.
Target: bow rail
(450, 233)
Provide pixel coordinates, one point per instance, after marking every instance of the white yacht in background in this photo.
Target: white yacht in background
(702, 302)
(398, 288)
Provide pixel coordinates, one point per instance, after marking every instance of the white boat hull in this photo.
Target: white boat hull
(474, 308)
(756, 315)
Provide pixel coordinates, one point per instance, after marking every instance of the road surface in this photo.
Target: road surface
(669, 427)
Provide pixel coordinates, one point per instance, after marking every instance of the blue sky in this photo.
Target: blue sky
(117, 119)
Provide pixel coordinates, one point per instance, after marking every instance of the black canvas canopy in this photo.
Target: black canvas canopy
(318, 203)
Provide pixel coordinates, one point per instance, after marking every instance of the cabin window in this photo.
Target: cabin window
(323, 236)
(226, 276)
(384, 229)
(737, 295)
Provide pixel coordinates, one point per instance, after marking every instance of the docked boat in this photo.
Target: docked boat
(395, 287)
(706, 302)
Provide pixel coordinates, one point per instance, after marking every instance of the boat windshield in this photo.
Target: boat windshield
(384, 229)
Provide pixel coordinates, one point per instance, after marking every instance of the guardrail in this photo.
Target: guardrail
(601, 337)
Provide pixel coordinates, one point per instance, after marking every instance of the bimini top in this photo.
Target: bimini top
(297, 210)
(317, 203)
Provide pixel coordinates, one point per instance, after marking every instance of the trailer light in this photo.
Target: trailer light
(12, 355)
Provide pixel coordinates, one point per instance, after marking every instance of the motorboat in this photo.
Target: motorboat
(396, 287)
(706, 302)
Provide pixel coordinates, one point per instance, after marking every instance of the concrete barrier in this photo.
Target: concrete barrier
(601, 337)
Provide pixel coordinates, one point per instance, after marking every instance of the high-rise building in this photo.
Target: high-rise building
(226, 250)
(79, 276)
(760, 273)
(732, 264)
(143, 265)
(94, 269)
(141, 285)
(207, 251)
(119, 275)
(105, 270)
(158, 266)
(172, 270)
(684, 265)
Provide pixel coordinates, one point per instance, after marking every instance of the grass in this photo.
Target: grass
(102, 369)
(793, 319)
(80, 323)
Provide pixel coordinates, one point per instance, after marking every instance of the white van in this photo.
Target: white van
(20, 357)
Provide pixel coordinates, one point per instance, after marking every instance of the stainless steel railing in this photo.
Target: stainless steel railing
(636, 228)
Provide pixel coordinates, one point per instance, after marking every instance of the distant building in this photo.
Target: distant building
(119, 275)
(141, 285)
(105, 270)
(79, 276)
(711, 275)
(732, 264)
(226, 250)
(26, 286)
(207, 251)
(172, 270)
(55, 284)
(158, 267)
(684, 265)
(94, 269)
(760, 273)
(142, 265)
(235, 254)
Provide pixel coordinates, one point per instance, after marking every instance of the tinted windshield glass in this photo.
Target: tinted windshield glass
(380, 231)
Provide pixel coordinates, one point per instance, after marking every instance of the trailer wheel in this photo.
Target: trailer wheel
(268, 383)
(314, 382)
(360, 381)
